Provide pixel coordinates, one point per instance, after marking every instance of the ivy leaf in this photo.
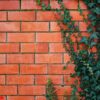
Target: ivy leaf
(92, 44)
(97, 10)
(92, 17)
(89, 29)
(98, 1)
(94, 35)
(43, 6)
(59, 1)
(84, 40)
(48, 7)
(97, 74)
(91, 5)
(97, 88)
(93, 23)
(38, 1)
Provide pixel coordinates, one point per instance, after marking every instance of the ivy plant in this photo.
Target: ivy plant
(87, 62)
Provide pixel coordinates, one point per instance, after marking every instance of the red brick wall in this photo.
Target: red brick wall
(31, 50)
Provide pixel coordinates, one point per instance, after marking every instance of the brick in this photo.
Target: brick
(2, 37)
(83, 5)
(68, 80)
(20, 98)
(67, 58)
(73, 4)
(54, 4)
(20, 58)
(83, 26)
(2, 97)
(21, 16)
(31, 90)
(61, 90)
(9, 69)
(42, 79)
(59, 69)
(19, 79)
(9, 26)
(34, 47)
(27, 47)
(33, 69)
(57, 47)
(35, 26)
(44, 98)
(76, 15)
(48, 58)
(54, 26)
(9, 47)
(3, 16)
(40, 98)
(29, 4)
(69, 4)
(41, 47)
(9, 5)
(48, 37)
(21, 37)
(46, 16)
(2, 58)
(8, 90)
(2, 79)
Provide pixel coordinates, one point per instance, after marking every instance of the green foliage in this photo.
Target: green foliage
(87, 63)
(38, 2)
(50, 91)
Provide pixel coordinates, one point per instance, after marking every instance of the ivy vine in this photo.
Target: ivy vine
(87, 62)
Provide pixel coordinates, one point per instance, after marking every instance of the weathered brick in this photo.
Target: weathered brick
(9, 47)
(2, 58)
(20, 58)
(48, 37)
(46, 16)
(9, 4)
(9, 26)
(48, 58)
(35, 26)
(21, 37)
(57, 47)
(2, 79)
(9, 69)
(20, 98)
(33, 69)
(19, 79)
(8, 90)
(2, 37)
(3, 16)
(34, 47)
(21, 16)
(31, 90)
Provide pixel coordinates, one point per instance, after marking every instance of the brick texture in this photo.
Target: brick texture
(31, 49)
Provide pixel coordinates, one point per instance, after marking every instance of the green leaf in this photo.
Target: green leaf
(94, 35)
(93, 44)
(92, 17)
(97, 10)
(98, 1)
(43, 6)
(89, 29)
(38, 1)
(84, 40)
(48, 7)
(91, 5)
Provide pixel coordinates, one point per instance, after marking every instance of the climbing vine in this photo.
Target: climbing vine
(85, 58)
